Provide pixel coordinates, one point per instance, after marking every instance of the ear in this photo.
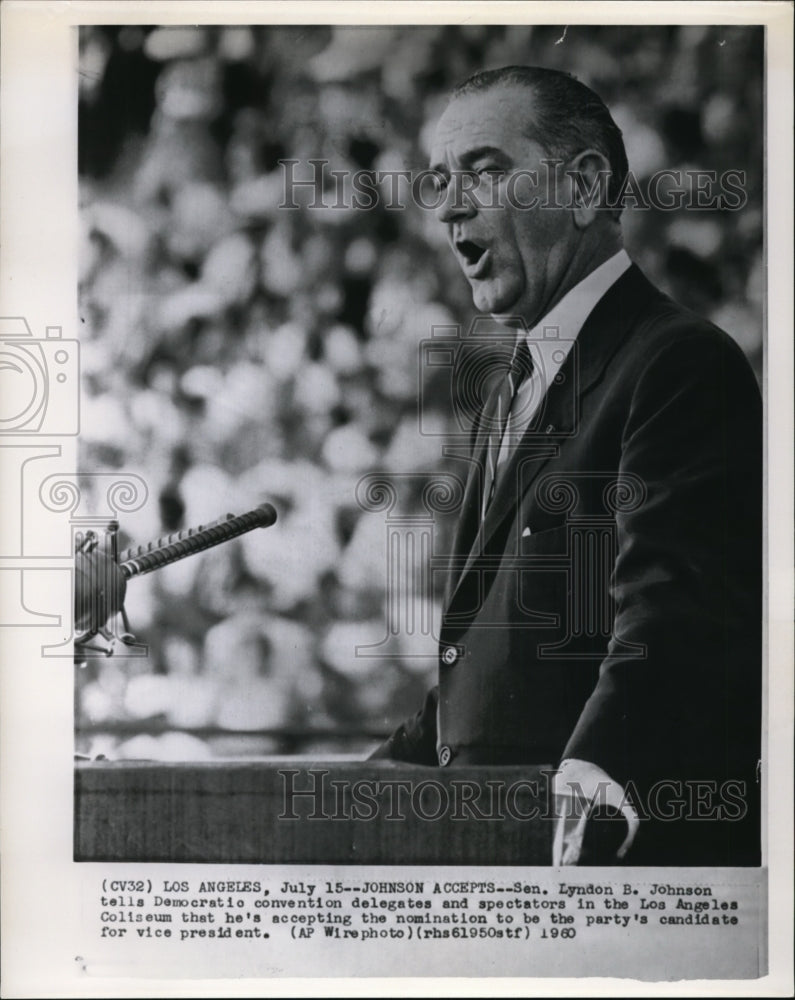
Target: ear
(588, 174)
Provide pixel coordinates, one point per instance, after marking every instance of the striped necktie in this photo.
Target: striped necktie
(520, 368)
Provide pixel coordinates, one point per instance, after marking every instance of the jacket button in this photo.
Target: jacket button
(445, 756)
(449, 656)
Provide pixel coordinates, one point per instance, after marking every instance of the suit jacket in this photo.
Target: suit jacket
(609, 606)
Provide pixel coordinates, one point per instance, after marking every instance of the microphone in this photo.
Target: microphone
(172, 548)
(101, 575)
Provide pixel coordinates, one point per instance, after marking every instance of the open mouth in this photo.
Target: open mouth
(473, 256)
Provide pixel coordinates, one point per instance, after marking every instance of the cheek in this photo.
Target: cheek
(522, 193)
(534, 251)
(507, 249)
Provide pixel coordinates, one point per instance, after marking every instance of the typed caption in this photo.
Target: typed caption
(704, 922)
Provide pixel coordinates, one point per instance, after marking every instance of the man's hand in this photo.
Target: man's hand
(579, 787)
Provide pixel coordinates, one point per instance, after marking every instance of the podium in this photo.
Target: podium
(283, 811)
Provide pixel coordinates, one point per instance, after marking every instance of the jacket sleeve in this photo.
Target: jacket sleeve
(687, 574)
(414, 741)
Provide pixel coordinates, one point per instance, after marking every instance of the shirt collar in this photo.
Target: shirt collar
(569, 315)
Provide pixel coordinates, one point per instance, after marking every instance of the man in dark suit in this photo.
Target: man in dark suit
(603, 609)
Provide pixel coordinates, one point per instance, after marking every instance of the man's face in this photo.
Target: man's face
(516, 259)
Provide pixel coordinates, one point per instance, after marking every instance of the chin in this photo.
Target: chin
(503, 308)
(506, 314)
(493, 305)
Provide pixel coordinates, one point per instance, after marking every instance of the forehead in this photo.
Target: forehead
(499, 118)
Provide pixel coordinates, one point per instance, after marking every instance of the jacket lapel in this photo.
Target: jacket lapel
(556, 419)
(468, 526)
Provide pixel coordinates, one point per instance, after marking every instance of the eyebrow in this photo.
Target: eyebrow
(473, 155)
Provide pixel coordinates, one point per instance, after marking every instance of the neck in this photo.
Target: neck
(589, 254)
(606, 249)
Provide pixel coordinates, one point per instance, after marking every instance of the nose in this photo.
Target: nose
(459, 200)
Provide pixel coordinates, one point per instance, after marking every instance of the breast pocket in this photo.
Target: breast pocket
(544, 563)
(547, 542)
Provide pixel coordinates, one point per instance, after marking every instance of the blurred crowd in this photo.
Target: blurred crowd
(234, 351)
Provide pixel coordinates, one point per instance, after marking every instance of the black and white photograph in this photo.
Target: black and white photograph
(406, 453)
